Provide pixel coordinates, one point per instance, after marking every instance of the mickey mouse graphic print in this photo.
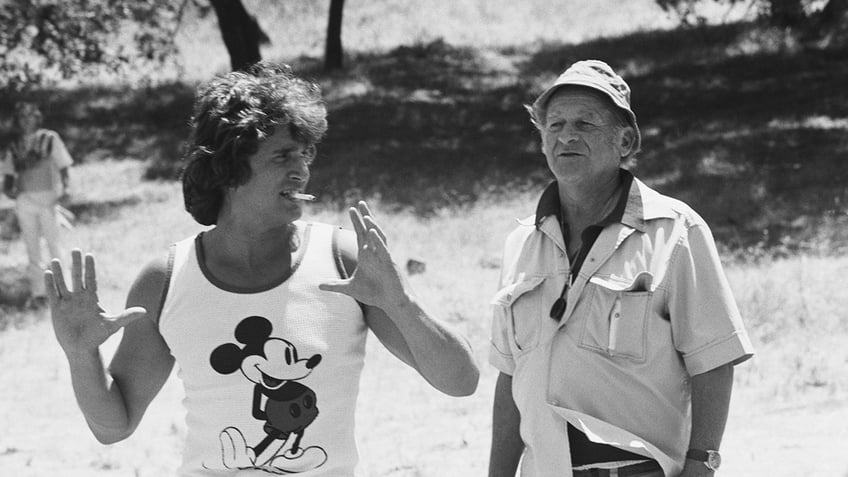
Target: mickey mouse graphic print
(271, 376)
(288, 407)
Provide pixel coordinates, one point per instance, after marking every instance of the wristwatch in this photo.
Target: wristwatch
(710, 458)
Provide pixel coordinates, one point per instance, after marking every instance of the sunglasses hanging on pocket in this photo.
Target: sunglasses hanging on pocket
(558, 308)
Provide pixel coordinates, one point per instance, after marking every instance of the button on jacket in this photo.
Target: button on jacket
(650, 308)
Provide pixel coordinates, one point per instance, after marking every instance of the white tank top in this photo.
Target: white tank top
(271, 375)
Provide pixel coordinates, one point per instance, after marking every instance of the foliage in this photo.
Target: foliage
(43, 41)
(782, 13)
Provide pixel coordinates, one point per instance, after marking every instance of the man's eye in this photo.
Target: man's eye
(286, 157)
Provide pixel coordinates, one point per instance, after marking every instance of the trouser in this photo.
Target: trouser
(36, 213)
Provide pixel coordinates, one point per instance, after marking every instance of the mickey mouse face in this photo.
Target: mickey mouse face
(268, 361)
(279, 364)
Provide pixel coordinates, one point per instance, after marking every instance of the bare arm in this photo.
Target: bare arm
(396, 317)
(710, 405)
(441, 356)
(507, 445)
(112, 401)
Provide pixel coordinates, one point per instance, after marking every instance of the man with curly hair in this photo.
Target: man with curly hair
(265, 314)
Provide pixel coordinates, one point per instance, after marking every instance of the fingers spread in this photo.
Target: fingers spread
(338, 286)
(50, 287)
(372, 225)
(76, 270)
(126, 317)
(378, 244)
(58, 277)
(90, 275)
(363, 208)
(358, 225)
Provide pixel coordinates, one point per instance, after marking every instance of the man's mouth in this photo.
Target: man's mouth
(295, 195)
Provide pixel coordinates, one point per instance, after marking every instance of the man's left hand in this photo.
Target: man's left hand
(376, 280)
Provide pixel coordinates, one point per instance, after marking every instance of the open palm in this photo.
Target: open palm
(376, 280)
(80, 323)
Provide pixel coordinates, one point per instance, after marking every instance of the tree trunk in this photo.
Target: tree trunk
(787, 13)
(241, 33)
(834, 13)
(333, 53)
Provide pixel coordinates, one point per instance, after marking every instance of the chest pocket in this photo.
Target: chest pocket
(522, 307)
(616, 322)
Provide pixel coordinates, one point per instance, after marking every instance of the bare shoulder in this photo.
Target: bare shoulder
(150, 286)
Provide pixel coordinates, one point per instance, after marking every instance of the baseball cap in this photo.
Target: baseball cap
(599, 76)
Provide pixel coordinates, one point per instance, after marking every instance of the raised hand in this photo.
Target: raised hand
(376, 280)
(80, 323)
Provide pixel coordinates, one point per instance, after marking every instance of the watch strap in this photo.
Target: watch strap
(697, 454)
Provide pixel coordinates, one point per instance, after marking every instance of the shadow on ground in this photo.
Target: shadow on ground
(15, 290)
(748, 127)
(114, 122)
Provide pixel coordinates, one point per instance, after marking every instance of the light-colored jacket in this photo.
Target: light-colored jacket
(650, 308)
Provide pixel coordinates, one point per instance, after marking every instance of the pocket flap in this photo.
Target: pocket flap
(506, 296)
(643, 281)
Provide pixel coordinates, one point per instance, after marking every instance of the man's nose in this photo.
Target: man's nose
(567, 136)
(300, 173)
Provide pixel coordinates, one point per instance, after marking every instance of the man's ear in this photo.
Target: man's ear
(628, 141)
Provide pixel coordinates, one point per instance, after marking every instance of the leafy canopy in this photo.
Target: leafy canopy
(45, 41)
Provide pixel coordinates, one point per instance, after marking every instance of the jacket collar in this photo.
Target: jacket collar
(640, 205)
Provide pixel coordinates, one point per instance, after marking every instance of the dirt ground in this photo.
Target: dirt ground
(405, 429)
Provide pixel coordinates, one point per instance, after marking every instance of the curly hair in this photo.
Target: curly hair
(232, 114)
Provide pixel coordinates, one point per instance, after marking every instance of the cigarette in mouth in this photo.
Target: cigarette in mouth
(299, 196)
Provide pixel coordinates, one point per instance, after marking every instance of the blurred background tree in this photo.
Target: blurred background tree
(817, 18)
(241, 33)
(45, 41)
(333, 52)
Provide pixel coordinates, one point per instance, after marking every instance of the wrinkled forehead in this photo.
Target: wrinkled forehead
(576, 100)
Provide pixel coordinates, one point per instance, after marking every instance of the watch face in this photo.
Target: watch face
(713, 460)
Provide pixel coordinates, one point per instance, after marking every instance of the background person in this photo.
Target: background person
(615, 331)
(260, 312)
(35, 173)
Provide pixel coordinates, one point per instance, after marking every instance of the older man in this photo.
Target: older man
(615, 331)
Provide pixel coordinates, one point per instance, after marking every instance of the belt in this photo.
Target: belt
(628, 470)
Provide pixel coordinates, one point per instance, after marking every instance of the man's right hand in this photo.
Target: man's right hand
(80, 323)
